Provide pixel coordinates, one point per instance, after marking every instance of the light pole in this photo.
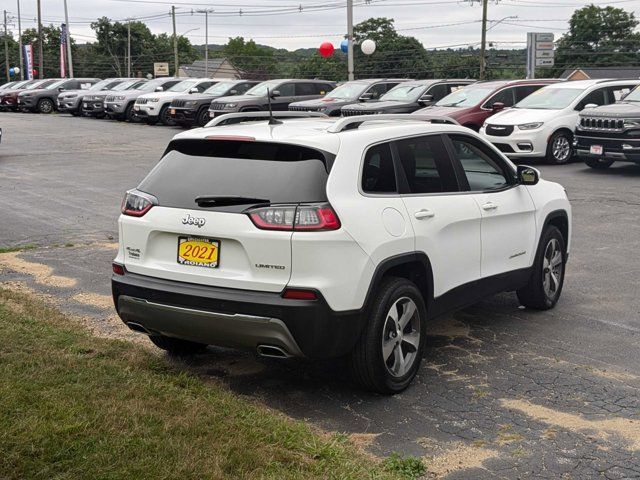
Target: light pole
(40, 46)
(20, 44)
(68, 35)
(175, 42)
(128, 48)
(350, 40)
(206, 39)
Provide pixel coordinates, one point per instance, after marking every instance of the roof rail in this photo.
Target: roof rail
(605, 80)
(347, 123)
(232, 118)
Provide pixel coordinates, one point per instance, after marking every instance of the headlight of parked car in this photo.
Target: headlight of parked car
(190, 103)
(231, 105)
(530, 126)
(632, 123)
(119, 98)
(154, 100)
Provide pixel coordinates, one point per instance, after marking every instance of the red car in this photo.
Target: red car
(9, 98)
(471, 106)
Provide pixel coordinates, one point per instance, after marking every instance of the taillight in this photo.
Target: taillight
(305, 217)
(118, 269)
(137, 204)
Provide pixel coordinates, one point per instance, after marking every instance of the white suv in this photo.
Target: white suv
(318, 237)
(542, 124)
(154, 107)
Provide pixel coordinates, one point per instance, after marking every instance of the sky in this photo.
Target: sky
(293, 24)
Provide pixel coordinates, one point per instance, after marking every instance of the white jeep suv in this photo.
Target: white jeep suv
(542, 124)
(322, 237)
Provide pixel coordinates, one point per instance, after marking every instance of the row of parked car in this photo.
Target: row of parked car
(546, 118)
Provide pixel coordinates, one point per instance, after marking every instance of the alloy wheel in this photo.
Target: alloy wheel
(552, 268)
(401, 336)
(561, 149)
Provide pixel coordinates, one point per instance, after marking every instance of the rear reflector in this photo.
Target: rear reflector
(118, 269)
(305, 217)
(298, 294)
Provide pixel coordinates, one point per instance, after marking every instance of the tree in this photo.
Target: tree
(395, 55)
(255, 61)
(599, 36)
(330, 68)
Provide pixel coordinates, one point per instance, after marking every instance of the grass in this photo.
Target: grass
(75, 406)
(18, 248)
(407, 467)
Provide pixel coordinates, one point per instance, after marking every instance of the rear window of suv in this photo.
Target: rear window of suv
(274, 172)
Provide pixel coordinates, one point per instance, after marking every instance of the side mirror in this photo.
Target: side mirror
(233, 92)
(528, 175)
(591, 105)
(61, 89)
(366, 96)
(159, 89)
(275, 93)
(425, 99)
(194, 90)
(496, 107)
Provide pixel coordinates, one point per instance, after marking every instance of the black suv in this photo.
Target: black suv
(283, 92)
(408, 97)
(610, 133)
(193, 109)
(348, 94)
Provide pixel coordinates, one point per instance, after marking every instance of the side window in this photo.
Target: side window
(168, 85)
(286, 89)
(616, 93)
(378, 175)
(242, 87)
(482, 170)
(455, 88)
(503, 96)
(70, 85)
(86, 85)
(204, 85)
(324, 88)
(438, 91)
(596, 97)
(307, 89)
(526, 90)
(377, 90)
(426, 165)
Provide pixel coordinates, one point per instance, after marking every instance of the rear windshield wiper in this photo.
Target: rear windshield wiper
(221, 200)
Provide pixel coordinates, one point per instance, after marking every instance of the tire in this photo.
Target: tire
(81, 110)
(203, 117)
(598, 164)
(559, 149)
(128, 113)
(375, 360)
(545, 285)
(46, 106)
(165, 118)
(177, 346)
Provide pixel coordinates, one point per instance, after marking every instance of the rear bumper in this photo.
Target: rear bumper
(236, 318)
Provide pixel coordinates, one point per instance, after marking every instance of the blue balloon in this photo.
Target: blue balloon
(344, 45)
(12, 72)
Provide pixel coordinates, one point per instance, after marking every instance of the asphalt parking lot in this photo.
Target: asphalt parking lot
(503, 392)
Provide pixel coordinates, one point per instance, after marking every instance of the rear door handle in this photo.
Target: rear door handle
(424, 213)
(489, 206)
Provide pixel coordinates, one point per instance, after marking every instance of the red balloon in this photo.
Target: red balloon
(326, 49)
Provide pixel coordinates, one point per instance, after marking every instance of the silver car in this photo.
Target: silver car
(119, 105)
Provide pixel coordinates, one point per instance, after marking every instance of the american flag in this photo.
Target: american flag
(63, 51)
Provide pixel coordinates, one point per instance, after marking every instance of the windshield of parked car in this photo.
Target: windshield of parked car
(407, 93)
(348, 91)
(465, 97)
(55, 85)
(40, 84)
(260, 90)
(102, 85)
(125, 85)
(220, 88)
(183, 86)
(633, 96)
(550, 98)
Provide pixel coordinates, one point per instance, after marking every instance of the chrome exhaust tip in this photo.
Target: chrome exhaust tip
(271, 351)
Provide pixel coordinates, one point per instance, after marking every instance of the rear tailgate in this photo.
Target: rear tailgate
(234, 176)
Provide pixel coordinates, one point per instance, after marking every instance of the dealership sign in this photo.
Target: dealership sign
(540, 52)
(161, 69)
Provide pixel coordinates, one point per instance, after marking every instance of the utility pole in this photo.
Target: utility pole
(175, 40)
(68, 35)
(206, 39)
(40, 46)
(129, 48)
(350, 40)
(20, 44)
(483, 41)
(6, 47)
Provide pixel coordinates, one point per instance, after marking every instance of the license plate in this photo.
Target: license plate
(173, 111)
(198, 252)
(596, 149)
